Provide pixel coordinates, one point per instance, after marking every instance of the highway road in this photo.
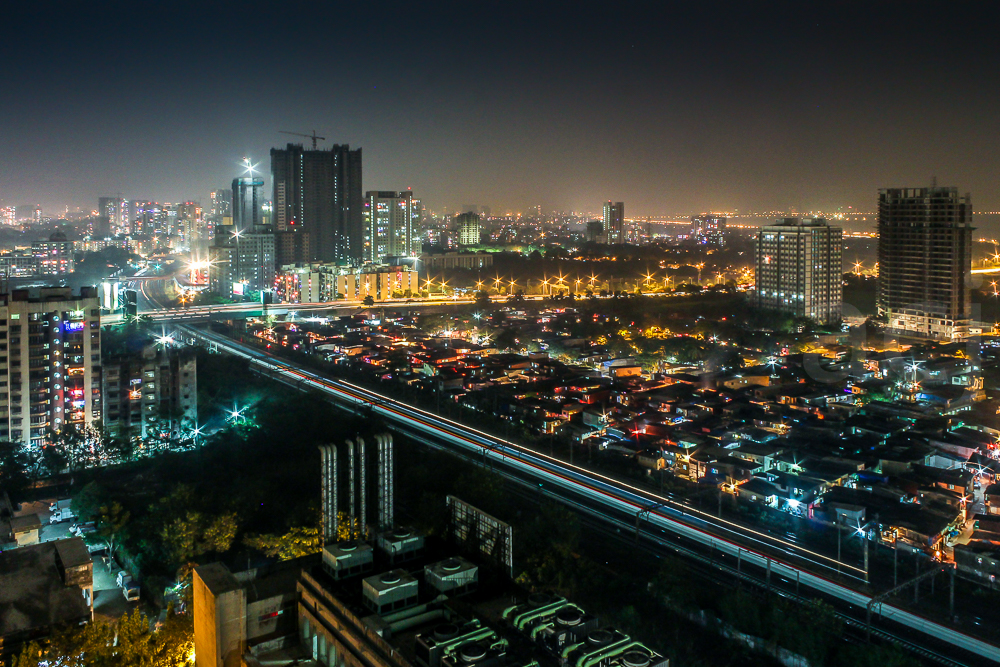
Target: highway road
(151, 304)
(779, 558)
(152, 298)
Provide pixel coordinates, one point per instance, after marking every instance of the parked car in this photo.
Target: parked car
(131, 592)
(80, 529)
(123, 578)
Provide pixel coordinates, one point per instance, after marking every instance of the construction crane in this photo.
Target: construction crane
(311, 136)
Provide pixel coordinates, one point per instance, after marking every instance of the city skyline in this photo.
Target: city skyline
(717, 107)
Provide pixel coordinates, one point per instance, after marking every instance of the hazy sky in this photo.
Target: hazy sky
(669, 106)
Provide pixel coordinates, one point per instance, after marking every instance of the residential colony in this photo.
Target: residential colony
(889, 438)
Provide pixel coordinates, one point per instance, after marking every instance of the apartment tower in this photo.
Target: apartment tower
(799, 268)
(614, 222)
(925, 261)
(390, 225)
(318, 193)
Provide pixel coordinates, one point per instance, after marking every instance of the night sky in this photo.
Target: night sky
(672, 107)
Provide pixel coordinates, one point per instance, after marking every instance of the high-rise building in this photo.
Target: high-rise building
(222, 203)
(467, 228)
(54, 256)
(319, 192)
(390, 225)
(53, 362)
(150, 392)
(614, 221)
(145, 217)
(115, 209)
(925, 261)
(191, 221)
(799, 268)
(100, 226)
(708, 229)
(243, 263)
(248, 202)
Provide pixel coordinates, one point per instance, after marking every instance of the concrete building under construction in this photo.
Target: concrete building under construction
(925, 262)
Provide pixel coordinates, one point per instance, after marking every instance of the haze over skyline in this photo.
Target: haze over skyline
(668, 107)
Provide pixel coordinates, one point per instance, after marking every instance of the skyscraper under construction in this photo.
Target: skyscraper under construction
(317, 195)
(925, 261)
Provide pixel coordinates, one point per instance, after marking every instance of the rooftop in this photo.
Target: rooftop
(33, 589)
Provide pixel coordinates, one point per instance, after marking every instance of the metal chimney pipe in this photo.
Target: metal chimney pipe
(324, 472)
(380, 441)
(363, 522)
(350, 461)
(390, 471)
(334, 522)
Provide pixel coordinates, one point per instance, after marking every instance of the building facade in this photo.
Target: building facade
(614, 221)
(391, 222)
(430, 263)
(248, 202)
(52, 362)
(319, 192)
(116, 210)
(54, 256)
(925, 261)
(380, 283)
(799, 269)
(152, 392)
(221, 203)
(242, 263)
(318, 283)
(708, 229)
(467, 228)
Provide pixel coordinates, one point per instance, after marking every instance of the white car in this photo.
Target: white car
(131, 592)
(81, 529)
(123, 579)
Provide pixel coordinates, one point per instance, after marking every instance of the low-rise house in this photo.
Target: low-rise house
(979, 560)
(758, 491)
(43, 587)
(17, 530)
(992, 497)
(763, 454)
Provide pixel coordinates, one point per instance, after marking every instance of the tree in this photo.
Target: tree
(505, 339)
(110, 522)
(195, 534)
(14, 467)
(127, 642)
(482, 300)
(299, 541)
(88, 501)
(71, 442)
(368, 301)
(53, 460)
